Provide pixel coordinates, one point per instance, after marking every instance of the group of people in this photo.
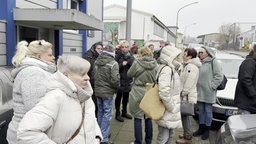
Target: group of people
(72, 101)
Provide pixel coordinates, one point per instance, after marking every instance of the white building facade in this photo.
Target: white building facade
(144, 26)
(72, 26)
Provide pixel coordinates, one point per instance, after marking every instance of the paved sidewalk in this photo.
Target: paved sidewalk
(122, 133)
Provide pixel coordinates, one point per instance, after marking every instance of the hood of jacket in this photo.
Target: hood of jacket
(168, 54)
(28, 62)
(93, 51)
(210, 51)
(148, 63)
(103, 59)
(196, 61)
(60, 81)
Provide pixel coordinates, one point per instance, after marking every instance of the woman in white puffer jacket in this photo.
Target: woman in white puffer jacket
(59, 114)
(169, 92)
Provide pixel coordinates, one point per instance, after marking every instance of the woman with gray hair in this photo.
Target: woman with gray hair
(67, 113)
(34, 64)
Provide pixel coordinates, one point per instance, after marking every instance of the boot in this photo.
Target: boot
(200, 130)
(126, 115)
(118, 117)
(206, 133)
(187, 139)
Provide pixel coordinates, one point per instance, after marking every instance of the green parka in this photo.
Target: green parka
(143, 71)
(106, 76)
(210, 77)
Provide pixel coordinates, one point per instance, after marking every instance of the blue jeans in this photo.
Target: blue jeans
(205, 113)
(104, 115)
(138, 131)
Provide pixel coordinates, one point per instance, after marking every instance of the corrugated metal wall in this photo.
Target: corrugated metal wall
(2, 43)
(72, 43)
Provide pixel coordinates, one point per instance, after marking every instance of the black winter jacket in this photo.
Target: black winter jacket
(125, 81)
(91, 55)
(245, 94)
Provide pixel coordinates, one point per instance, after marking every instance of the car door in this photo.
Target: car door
(6, 112)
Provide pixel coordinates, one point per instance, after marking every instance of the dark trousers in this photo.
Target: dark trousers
(124, 96)
(94, 98)
(138, 131)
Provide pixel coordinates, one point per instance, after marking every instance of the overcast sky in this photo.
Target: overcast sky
(208, 15)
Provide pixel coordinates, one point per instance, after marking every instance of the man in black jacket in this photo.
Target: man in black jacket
(245, 95)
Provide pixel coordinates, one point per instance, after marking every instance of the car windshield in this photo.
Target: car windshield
(230, 67)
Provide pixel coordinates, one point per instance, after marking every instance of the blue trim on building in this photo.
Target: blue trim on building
(83, 8)
(3, 10)
(58, 35)
(10, 29)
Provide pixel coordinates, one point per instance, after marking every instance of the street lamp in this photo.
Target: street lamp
(177, 18)
(186, 31)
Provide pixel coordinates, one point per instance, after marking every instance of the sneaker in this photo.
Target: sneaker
(126, 115)
(119, 118)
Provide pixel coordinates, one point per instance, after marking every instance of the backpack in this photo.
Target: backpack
(223, 82)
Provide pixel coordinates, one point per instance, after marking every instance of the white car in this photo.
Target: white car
(224, 106)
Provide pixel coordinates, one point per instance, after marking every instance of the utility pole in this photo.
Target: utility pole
(128, 21)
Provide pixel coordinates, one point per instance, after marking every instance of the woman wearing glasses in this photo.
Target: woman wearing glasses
(34, 64)
(189, 76)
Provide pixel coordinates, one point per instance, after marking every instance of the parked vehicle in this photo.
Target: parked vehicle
(224, 106)
(6, 112)
(239, 129)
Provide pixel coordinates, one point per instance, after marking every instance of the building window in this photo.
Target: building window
(90, 33)
(71, 4)
(74, 4)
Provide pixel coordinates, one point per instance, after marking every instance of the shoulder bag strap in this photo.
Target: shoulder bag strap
(156, 81)
(78, 129)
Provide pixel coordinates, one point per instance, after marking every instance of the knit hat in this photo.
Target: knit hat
(109, 49)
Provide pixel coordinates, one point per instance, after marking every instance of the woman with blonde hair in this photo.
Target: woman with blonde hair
(143, 71)
(124, 59)
(34, 64)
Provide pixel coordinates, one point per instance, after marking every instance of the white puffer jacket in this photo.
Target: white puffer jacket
(58, 115)
(169, 89)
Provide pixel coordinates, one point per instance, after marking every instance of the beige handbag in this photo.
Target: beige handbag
(151, 103)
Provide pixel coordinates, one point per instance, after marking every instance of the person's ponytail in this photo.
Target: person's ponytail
(21, 53)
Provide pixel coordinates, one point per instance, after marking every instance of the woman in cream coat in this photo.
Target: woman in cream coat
(189, 76)
(169, 91)
(59, 114)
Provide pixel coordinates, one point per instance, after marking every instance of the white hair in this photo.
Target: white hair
(29, 50)
(71, 63)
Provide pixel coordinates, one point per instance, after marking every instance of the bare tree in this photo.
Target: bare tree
(229, 32)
